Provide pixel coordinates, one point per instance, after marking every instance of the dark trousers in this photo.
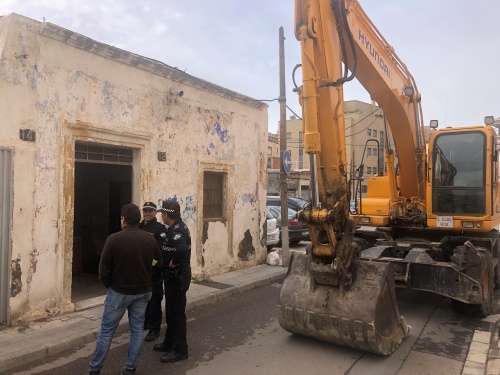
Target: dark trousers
(175, 312)
(153, 314)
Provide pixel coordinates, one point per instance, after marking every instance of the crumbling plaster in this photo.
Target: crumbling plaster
(69, 88)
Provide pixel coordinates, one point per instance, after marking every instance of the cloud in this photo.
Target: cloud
(449, 46)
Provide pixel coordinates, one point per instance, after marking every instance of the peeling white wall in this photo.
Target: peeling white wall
(69, 88)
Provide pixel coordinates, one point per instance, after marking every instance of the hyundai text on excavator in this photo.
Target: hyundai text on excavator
(435, 214)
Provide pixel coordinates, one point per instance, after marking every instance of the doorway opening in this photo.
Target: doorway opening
(103, 184)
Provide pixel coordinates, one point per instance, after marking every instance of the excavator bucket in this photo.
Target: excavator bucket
(365, 316)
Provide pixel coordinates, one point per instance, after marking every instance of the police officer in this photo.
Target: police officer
(153, 311)
(176, 252)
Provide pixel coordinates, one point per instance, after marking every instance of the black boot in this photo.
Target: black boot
(162, 347)
(152, 335)
(173, 356)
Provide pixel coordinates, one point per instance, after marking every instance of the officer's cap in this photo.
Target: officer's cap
(149, 206)
(170, 206)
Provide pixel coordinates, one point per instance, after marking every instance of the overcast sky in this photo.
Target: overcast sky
(451, 47)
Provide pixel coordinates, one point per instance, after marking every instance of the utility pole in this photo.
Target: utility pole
(285, 251)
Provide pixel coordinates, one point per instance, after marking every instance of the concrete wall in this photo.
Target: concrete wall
(69, 88)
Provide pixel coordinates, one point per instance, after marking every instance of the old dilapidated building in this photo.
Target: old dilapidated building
(87, 127)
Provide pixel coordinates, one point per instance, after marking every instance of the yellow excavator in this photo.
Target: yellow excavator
(435, 214)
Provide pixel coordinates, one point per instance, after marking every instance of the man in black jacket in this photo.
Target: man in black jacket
(153, 311)
(176, 252)
(126, 270)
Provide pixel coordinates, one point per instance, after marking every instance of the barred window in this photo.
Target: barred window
(213, 192)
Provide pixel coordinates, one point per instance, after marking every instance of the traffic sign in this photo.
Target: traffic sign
(286, 161)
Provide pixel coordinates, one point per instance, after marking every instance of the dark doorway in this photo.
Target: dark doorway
(101, 190)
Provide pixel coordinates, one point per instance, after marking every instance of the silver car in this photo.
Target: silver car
(297, 231)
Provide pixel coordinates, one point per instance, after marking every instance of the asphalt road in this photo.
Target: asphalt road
(241, 336)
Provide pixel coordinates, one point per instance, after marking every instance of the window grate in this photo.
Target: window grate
(96, 153)
(213, 191)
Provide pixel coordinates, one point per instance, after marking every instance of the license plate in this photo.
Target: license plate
(444, 221)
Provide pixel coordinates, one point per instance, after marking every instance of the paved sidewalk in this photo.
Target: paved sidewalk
(21, 345)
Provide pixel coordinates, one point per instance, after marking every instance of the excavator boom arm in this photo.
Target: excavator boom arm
(330, 283)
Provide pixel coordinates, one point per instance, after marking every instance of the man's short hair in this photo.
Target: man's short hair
(171, 208)
(131, 213)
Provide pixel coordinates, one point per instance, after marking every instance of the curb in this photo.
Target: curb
(493, 360)
(483, 357)
(27, 355)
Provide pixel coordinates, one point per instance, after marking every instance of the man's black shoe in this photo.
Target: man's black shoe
(173, 357)
(128, 371)
(162, 347)
(152, 335)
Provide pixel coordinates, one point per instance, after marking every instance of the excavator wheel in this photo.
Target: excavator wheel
(364, 316)
(481, 310)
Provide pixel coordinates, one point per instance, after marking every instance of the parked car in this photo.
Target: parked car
(352, 207)
(273, 231)
(297, 231)
(295, 204)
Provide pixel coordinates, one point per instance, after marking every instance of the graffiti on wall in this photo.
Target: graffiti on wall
(245, 198)
(216, 132)
(188, 208)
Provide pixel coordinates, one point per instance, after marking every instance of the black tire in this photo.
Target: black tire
(483, 309)
(496, 278)
(496, 264)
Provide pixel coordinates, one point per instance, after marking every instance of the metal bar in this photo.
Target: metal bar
(285, 254)
(6, 181)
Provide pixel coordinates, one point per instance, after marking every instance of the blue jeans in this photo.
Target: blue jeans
(114, 309)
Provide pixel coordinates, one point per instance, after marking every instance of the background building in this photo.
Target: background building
(366, 139)
(273, 152)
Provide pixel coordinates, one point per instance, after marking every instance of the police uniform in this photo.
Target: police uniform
(176, 248)
(153, 315)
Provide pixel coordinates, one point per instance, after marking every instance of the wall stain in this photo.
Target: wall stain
(247, 198)
(16, 284)
(32, 267)
(245, 247)
(31, 77)
(107, 97)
